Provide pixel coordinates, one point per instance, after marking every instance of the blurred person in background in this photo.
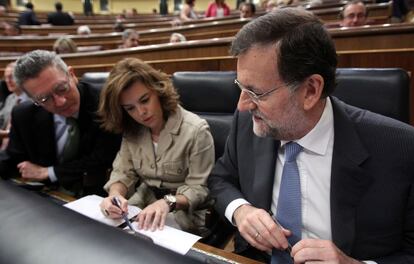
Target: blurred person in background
(177, 38)
(247, 10)
(64, 45)
(12, 29)
(130, 39)
(217, 9)
(119, 27)
(84, 30)
(187, 12)
(354, 14)
(59, 18)
(15, 97)
(28, 17)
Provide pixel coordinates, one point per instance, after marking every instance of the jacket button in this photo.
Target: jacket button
(180, 171)
(152, 166)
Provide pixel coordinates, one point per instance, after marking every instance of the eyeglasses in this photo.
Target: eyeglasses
(255, 97)
(59, 90)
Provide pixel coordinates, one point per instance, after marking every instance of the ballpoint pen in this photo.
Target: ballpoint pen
(115, 201)
(289, 248)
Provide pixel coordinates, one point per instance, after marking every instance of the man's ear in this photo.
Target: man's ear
(313, 91)
(72, 74)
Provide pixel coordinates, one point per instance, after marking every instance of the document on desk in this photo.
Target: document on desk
(89, 206)
(170, 238)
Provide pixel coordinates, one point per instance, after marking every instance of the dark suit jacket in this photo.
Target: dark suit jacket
(32, 138)
(28, 17)
(372, 192)
(59, 19)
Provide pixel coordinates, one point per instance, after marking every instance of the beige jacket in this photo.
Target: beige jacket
(183, 161)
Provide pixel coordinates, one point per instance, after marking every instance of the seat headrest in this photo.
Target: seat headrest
(207, 92)
(383, 91)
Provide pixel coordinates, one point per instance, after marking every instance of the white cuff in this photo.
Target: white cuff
(232, 207)
(52, 175)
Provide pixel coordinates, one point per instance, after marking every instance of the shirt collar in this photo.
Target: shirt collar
(317, 139)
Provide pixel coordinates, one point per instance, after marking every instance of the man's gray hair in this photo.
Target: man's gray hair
(128, 32)
(31, 64)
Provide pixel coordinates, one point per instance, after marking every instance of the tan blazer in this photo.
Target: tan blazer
(183, 161)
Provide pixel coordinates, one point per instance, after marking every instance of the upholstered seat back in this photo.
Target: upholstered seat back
(381, 90)
(213, 96)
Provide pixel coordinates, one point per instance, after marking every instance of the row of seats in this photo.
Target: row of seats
(214, 96)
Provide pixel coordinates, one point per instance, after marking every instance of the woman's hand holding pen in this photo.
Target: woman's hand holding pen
(259, 229)
(153, 216)
(111, 210)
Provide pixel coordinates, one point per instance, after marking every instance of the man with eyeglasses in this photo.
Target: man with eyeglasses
(354, 14)
(305, 176)
(56, 139)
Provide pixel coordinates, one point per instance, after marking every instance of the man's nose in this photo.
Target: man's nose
(245, 103)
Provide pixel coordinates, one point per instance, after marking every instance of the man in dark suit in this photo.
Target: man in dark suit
(28, 17)
(59, 18)
(44, 146)
(354, 169)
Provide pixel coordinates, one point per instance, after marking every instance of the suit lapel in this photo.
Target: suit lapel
(348, 178)
(265, 153)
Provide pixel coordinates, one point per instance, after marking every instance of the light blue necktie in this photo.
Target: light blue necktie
(289, 207)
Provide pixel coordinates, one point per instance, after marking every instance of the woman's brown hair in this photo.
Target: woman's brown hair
(124, 74)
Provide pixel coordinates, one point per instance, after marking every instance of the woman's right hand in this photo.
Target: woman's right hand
(112, 211)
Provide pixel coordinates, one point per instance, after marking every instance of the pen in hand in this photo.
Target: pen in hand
(115, 201)
(289, 248)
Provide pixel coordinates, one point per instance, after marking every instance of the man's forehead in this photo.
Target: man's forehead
(355, 7)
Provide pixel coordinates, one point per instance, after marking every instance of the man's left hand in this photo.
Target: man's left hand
(33, 172)
(320, 251)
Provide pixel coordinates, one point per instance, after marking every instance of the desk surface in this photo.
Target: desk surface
(206, 253)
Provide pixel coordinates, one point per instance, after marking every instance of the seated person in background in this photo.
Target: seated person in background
(64, 45)
(119, 27)
(338, 179)
(57, 139)
(177, 38)
(130, 39)
(271, 5)
(353, 14)
(12, 29)
(28, 17)
(217, 9)
(166, 153)
(187, 11)
(15, 97)
(247, 10)
(59, 18)
(84, 30)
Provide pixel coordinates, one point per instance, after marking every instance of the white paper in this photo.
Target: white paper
(170, 238)
(89, 206)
